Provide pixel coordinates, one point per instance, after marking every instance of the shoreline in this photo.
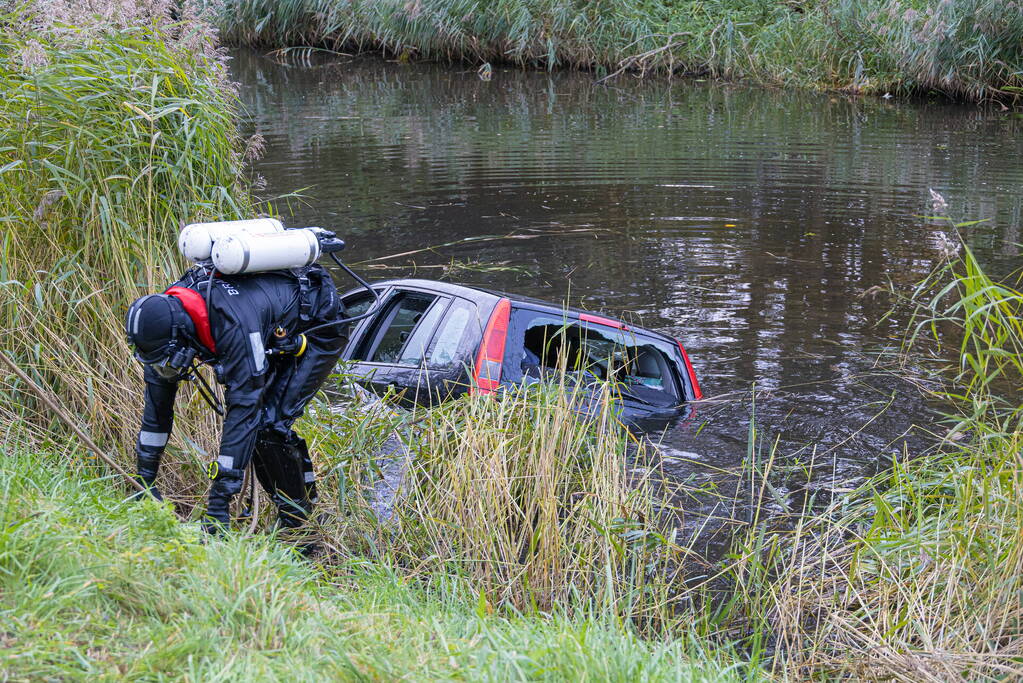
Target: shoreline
(842, 46)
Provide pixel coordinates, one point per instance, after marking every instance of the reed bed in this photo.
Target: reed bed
(531, 498)
(917, 574)
(111, 139)
(967, 49)
(534, 501)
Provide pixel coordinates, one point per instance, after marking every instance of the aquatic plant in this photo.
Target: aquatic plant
(914, 575)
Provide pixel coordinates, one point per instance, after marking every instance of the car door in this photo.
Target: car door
(355, 304)
(417, 345)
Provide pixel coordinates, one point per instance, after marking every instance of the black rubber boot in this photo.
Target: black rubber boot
(225, 486)
(297, 510)
(148, 466)
(280, 463)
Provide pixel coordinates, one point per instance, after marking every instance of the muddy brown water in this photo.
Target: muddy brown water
(752, 224)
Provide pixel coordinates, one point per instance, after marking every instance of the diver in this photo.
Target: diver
(272, 338)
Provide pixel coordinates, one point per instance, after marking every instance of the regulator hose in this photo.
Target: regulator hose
(205, 390)
(346, 321)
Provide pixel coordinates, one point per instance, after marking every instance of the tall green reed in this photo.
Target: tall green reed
(110, 140)
(916, 574)
(533, 500)
(969, 49)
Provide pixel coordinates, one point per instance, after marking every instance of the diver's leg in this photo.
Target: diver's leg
(226, 485)
(309, 373)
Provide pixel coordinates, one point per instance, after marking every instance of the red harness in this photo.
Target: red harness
(195, 307)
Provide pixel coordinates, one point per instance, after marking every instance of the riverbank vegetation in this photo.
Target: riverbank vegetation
(112, 138)
(92, 585)
(915, 575)
(535, 506)
(966, 49)
(526, 544)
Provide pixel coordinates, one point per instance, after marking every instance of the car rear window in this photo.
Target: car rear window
(540, 343)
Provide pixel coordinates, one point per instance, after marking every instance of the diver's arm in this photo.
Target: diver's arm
(157, 420)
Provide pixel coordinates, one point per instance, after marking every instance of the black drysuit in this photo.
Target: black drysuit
(264, 395)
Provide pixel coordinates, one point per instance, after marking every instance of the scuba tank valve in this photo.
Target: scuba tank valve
(263, 244)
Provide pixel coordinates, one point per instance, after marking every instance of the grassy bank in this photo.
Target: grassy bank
(93, 586)
(968, 49)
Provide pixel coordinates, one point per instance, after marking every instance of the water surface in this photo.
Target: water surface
(754, 225)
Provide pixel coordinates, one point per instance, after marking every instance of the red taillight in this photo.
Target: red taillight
(487, 373)
(692, 375)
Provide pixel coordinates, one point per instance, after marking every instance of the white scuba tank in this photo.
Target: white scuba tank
(196, 240)
(244, 252)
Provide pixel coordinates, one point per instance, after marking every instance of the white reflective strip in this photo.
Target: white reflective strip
(258, 353)
(226, 461)
(310, 477)
(156, 439)
(138, 314)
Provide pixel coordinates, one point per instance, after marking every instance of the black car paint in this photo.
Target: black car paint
(423, 384)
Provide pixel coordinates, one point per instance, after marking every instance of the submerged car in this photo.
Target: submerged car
(435, 340)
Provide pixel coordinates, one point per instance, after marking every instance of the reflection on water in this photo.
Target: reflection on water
(751, 224)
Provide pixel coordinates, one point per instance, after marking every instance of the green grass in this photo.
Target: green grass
(969, 49)
(92, 585)
(916, 574)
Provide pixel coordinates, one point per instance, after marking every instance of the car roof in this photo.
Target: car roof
(474, 293)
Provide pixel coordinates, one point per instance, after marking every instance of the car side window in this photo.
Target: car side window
(414, 350)
(357, 304)
(449, 337)
(404, 329)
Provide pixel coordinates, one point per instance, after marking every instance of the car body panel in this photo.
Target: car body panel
(427, 337)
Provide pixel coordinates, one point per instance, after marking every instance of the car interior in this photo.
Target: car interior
(640, 370)
(403, 331)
